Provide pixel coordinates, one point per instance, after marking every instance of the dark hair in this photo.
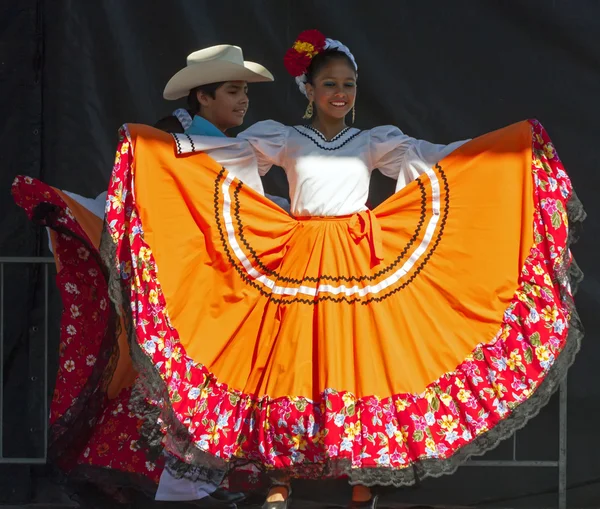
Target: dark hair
(170, 124)
(322, 59)
(209, 89)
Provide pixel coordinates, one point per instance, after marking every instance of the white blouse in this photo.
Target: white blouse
(326, 177)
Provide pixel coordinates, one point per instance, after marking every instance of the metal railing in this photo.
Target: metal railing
(560, 464)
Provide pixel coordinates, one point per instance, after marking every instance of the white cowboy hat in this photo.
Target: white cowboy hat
(213, 65)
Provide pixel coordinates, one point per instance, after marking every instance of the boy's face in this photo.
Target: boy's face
(229, 106)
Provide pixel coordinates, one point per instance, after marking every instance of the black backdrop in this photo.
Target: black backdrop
(71, 72)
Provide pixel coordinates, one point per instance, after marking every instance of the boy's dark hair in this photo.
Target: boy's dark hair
(210, 89)
(170, 124)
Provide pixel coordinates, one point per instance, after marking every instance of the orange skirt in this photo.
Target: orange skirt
(413, 335)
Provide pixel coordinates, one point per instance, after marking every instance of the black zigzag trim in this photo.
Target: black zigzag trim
(178, 143)
(191, 142)
(324, 277)
(315, 300)
(322, 146)
(431, 251)
(242, 274)
(322, 136)
(251, 282)
(233, 263)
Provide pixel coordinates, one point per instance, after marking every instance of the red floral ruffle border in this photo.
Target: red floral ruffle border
(113, 437)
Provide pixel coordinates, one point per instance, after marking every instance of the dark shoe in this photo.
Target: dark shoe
(286, 504)
(367, 504)
(227, 496)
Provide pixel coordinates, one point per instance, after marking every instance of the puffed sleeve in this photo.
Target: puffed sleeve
(402, 157)
(269, 140)
(235, 154)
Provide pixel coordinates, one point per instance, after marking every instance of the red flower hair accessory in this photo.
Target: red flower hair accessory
(308, 44)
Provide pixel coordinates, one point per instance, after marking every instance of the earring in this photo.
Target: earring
(353, 115)
(309, 111)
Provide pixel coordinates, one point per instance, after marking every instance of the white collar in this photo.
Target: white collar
(338, 141)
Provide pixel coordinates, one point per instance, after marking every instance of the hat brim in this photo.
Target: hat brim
(214, 71)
